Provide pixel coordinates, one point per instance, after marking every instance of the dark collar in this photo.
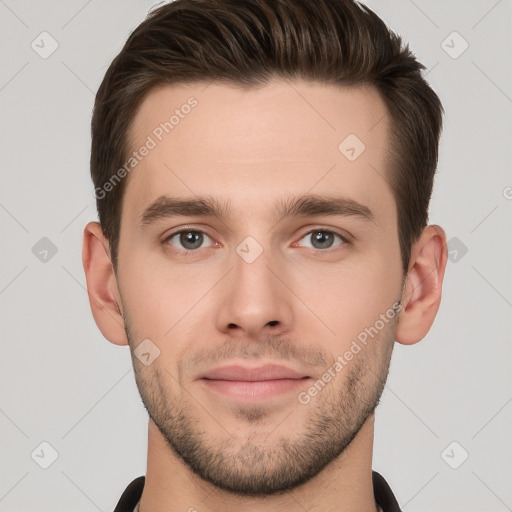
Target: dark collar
(383, 494)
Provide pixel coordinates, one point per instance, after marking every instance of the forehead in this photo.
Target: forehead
(254, 145)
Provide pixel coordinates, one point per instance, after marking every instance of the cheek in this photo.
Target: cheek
(162, 301)
(350, 299)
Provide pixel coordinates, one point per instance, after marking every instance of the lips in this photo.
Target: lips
(262, 383)
(261, 373)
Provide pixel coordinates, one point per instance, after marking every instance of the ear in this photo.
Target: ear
(423, 285)
(102, 286)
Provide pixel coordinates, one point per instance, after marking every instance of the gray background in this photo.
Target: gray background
(62, 383)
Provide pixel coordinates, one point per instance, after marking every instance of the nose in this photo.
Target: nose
(254, 300)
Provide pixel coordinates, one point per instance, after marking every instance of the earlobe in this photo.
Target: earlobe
(102, 288)
(423, 286)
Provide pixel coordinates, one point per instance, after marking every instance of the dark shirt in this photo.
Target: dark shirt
(383, 495)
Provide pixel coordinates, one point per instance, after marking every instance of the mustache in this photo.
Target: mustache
(275, 348)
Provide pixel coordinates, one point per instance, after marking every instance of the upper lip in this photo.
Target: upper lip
(243, 373)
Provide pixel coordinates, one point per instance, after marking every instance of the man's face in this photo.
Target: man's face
(252, 287)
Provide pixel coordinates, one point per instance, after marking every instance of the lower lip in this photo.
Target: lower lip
(254, 390)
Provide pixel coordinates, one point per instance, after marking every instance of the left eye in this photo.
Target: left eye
(188, 239)
(322, 239)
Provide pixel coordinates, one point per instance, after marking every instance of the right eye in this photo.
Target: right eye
(187, 239)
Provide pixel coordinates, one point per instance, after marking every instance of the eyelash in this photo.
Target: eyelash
(344, 239)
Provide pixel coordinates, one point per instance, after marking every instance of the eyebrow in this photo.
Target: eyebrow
(302, 206)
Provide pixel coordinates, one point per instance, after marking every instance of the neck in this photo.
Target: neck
(344, 485)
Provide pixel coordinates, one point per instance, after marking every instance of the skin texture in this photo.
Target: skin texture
(299, 303)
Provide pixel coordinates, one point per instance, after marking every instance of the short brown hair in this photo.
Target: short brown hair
(250, 42)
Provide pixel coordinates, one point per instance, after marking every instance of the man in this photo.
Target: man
(263, 170)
